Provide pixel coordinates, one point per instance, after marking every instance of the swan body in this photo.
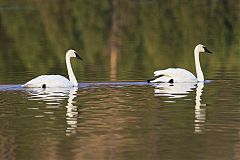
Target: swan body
(53, 81)
(174, 74)
(178, 75)
(56, 81)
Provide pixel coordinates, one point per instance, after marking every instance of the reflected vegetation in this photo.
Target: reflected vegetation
(116, 37)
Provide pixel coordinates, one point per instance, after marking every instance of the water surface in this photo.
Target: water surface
(122, 120)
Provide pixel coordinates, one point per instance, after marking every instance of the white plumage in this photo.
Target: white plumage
(178, 75)
(53, 81)
(56, 81)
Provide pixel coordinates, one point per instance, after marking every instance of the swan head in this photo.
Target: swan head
(201, 49)
(72, 53)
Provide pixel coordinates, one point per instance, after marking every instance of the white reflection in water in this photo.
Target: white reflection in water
(72, 113)
(200, 110)
(181, 90)
(54, 98)
(176, 90)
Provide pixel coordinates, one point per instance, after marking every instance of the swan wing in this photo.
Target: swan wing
(174, 75)
(49, 81)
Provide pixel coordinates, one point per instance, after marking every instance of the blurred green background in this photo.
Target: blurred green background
(118, 39)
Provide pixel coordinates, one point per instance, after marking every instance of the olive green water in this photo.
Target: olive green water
(114, 113)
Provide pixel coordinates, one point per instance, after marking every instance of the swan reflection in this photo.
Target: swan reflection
(200, 110)
(54, 98)
(181, 90)
(176, 90)
(72, 113)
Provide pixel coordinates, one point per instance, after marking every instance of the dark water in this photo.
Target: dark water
(114, 113)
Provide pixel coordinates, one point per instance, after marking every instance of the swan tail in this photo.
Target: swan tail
(161, 79)
(34, 85)
(27, 85)
(150, 80)
(155, 79)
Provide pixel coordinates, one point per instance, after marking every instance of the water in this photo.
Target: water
(114, 113)
(122, 120)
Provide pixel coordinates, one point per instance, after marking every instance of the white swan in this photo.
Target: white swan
(56, 81)
(176, 75)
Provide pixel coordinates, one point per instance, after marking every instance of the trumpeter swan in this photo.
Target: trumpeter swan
(176, 75)
(56, 81)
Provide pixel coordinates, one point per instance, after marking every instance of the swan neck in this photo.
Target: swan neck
(71, 75)
(199, 72)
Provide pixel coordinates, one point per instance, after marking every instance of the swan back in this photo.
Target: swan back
(175, 74)
(49, 81)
